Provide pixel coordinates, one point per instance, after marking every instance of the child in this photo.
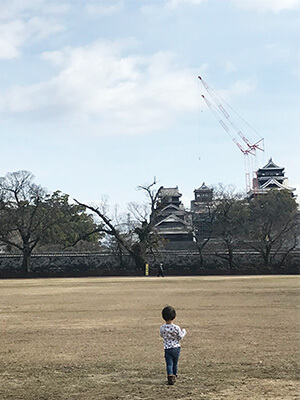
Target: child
(171, 335)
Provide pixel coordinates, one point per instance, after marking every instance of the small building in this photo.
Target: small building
(203, 196)
(173, 222)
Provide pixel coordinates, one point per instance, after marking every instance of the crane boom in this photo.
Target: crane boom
(251, 146)
(247, 147)
(225, 127)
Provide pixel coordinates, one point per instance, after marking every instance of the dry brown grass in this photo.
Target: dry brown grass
(97, 338)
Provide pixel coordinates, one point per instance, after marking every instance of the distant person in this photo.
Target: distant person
(171, 335)
(160, 271)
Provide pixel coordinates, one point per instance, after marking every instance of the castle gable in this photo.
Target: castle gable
(172, 219)
(273, 183)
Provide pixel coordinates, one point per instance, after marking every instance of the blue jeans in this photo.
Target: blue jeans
(172, 356)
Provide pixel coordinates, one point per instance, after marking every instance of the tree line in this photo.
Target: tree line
(34, 220)
(266, 223)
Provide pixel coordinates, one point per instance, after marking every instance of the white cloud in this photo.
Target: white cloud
(104, 9)
(129, 92)
(259, 5)
(177, 3)
(242, 88)
(21, 21)
(14, 34)
(13, 9)
(229, 67)
(265, 5)
(57, 58)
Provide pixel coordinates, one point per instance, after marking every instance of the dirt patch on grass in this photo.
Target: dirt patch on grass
(97, 338)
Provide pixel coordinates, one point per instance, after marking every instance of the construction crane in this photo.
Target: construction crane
(248, 148)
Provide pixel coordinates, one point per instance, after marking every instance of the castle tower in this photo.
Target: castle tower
(203, 195)
(200, 210)
(271, 176)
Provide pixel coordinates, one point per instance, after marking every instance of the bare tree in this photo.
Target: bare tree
(139, 237)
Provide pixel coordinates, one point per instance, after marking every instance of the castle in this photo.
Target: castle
(176, 224)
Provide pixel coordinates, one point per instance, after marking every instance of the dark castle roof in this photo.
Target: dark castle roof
(271, 166)
(203, 188)
(169, 192)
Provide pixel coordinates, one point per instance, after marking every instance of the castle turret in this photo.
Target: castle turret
(271, 176)
(203, 195)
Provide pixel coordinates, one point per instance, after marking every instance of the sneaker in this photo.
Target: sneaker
(171, 379)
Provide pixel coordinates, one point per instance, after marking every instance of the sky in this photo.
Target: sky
(98, 97)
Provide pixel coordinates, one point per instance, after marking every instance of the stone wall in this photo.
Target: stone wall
(175, 263)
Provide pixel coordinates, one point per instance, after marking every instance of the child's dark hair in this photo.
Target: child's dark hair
(168, 313)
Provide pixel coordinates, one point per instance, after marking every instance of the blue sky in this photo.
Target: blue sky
(98, 97)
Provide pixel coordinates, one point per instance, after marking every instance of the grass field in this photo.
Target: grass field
(98, 338)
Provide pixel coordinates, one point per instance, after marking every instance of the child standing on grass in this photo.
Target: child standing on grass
(171, 335)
